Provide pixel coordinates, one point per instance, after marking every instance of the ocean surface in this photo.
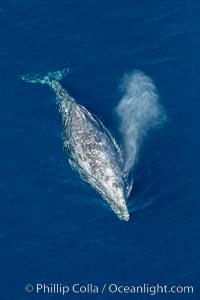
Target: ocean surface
(54, 228)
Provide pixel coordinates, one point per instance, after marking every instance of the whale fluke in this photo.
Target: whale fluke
(45, 78)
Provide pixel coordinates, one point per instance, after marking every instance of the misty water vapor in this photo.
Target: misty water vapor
(138, 111)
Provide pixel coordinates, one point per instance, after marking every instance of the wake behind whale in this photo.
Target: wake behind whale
(92, 150)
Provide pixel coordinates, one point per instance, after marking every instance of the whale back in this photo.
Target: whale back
(94, 153)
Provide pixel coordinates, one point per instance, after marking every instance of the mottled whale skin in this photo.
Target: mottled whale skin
(92, 150)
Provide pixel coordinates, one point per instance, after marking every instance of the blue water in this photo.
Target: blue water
(54, 228)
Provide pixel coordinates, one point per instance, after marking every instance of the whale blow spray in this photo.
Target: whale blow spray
(138, 111)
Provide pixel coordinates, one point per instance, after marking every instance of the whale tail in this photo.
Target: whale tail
(46, 78)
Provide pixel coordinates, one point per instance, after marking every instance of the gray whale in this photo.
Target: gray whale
(92, 150)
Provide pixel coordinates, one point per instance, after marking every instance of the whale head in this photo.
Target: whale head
(117, 202)
(124, 214)
(120, 208)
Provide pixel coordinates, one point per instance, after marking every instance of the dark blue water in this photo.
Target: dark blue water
(54, 228)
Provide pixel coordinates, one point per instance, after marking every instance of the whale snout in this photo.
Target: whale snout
(117, 202)
(120, 208)
(123, 214)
